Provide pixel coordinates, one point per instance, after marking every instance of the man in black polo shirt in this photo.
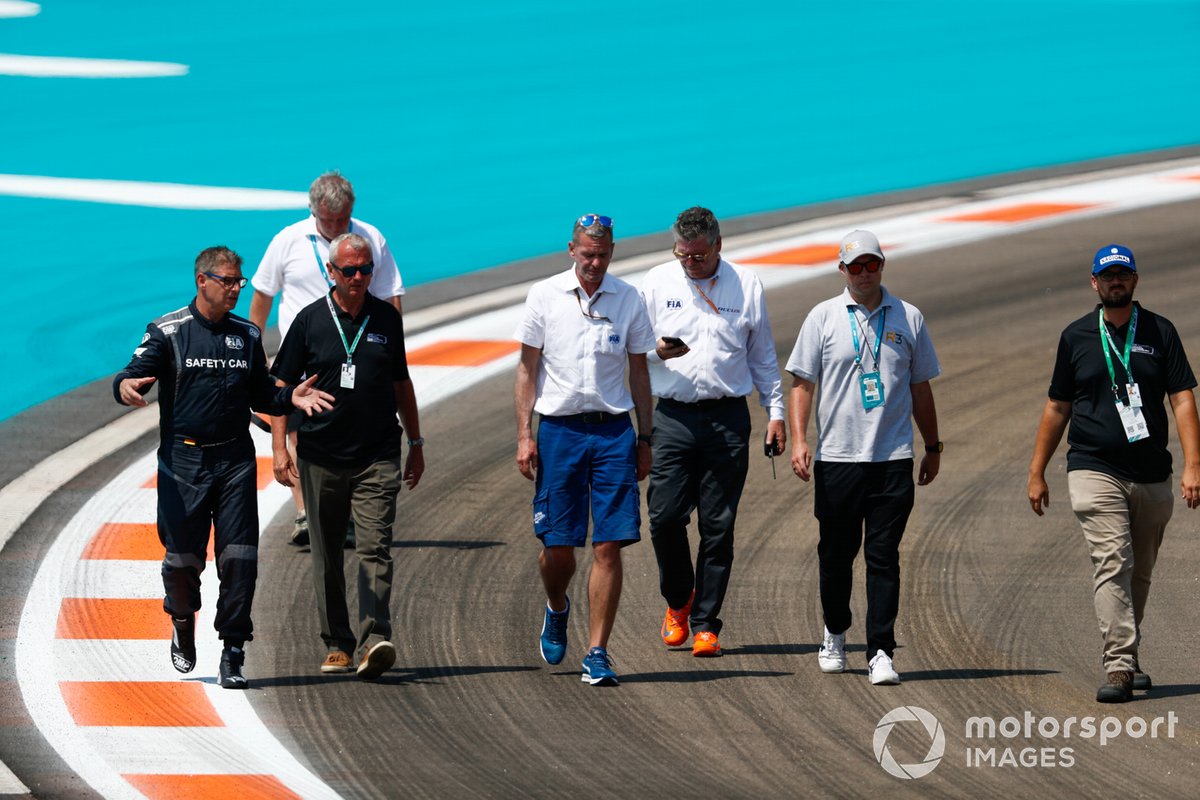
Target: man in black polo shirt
(1114, 368)
(349, 463)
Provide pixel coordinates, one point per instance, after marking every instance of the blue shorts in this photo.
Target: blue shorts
(584, 467)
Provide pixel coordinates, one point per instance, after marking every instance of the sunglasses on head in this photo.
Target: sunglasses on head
(350, 272)
(856, 267)
(588, 220)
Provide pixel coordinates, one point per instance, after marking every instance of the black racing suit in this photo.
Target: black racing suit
(209, 376)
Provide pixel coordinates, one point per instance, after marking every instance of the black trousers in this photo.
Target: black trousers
(701, 455)
(862, 505)
(203, 488)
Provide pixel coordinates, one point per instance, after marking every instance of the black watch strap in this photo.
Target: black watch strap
(936, 447)
(647, 438)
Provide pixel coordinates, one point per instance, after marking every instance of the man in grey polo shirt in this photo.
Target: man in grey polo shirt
(872, 357)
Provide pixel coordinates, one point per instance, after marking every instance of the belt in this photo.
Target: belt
(716, 402)
(590, 417)
(190, 442)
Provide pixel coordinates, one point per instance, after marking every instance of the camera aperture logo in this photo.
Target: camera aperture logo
(937, 742)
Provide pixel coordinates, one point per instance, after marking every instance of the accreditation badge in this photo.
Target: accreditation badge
(871, 386)
(1134, 394)
(347, 376)
(1133, 421)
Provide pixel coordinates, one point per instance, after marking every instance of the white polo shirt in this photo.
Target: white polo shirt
(583, 359)
(824, 354)
(295, 265)
(731, 346)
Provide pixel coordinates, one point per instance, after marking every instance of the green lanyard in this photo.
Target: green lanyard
(337, 324)
(1106, 343)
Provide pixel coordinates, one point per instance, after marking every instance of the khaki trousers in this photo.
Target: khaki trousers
(1123, 523)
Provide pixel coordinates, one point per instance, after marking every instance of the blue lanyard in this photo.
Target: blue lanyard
(878, 337)
(312, 239)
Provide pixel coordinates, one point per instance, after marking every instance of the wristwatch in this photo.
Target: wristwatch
(417, 442)
(936, 447)
(647, 438)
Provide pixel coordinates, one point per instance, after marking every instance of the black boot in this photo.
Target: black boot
(232, 659)
(183, 643)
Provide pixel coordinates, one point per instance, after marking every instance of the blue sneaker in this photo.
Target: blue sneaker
(597, 668)
(554, 634)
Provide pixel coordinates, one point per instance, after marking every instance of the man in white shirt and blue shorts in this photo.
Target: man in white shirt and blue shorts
(579, 330)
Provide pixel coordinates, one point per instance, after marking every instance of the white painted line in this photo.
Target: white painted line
(10, 9)
(10, 784)
(21, 497)
(62, 67)
(151, 195)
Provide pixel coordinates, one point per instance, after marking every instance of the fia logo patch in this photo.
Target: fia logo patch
(614, 338)
(234, 342)
(376, 338)
(674, 303)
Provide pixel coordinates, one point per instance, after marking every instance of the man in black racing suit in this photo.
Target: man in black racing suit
(211, 371)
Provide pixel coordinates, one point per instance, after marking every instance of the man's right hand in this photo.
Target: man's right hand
(131, 394)
(527, 456)
(285, 469)
(666, 351)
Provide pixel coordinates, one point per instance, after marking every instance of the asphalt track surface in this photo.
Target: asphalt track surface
(996, 615)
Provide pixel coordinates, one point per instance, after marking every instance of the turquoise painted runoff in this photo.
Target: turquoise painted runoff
(474, 132)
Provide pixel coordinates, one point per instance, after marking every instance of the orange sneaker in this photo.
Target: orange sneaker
(675, 624)
(705, 645)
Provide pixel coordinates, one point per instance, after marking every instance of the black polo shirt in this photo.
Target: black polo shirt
(362, 427)
(1096, 437)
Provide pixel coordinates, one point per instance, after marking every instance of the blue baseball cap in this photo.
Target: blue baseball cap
(1113, 255)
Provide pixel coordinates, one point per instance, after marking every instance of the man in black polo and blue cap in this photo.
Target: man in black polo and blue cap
(1115, 367)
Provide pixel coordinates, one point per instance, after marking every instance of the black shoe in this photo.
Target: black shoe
(1141, 681)
(232, 659)
(349, 543)
(299, 535)
(1118, 689)
(183, 643)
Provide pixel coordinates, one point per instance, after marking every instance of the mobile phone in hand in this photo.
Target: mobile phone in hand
(674, 341)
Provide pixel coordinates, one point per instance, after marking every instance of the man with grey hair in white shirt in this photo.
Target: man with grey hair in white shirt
(714, 347)
(580, 330)
(872, 357)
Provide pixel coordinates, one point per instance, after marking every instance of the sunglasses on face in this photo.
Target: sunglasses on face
(1110, 275)
(588, 220)
(227, 282)
(695, 258)
(856, 267)
(350, 272)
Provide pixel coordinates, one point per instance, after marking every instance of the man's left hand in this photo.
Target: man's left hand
(414, 467)
(645, 459)
(777, 432)
(1190, 485)
(310, 400)
(930, 465)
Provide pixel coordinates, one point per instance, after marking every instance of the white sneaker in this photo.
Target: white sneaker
(881, 670)
(832, 656)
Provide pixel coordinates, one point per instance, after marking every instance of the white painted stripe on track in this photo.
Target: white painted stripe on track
(63, 67)
(98, 754)
(11, 9)
(151, 194)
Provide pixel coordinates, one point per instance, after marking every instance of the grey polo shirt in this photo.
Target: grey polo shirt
(824, 354)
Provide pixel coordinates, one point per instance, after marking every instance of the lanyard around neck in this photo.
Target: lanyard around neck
(1106, 343)
(312, 239)
(338, 324)
(858, 348)
(711, 284)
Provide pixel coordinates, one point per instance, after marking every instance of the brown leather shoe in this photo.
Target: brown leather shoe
(336, 661)
(1118, 689)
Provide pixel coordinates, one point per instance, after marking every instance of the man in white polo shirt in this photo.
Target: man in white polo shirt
(715, 345)
(872, 357)
(295, 265)
(579, 330)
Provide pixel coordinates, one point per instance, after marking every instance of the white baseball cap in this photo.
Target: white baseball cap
(859, 243)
